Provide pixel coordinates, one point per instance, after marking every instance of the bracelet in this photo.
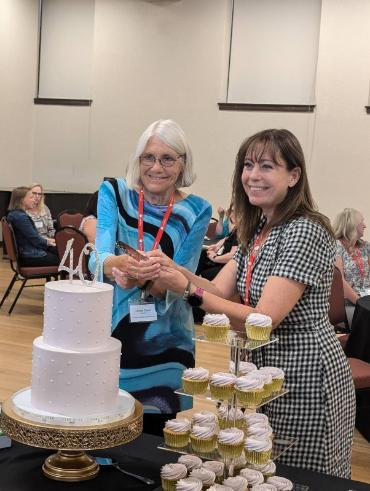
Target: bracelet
(186, 293)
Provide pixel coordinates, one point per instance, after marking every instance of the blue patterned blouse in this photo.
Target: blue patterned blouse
(154, 354)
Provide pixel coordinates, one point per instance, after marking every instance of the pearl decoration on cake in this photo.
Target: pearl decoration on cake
(69, 363)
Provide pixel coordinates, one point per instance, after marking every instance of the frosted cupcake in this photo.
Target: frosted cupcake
(263, 487)
(277, 375)
(170, 474)
(203, 439)
(221, 385)
(220, 487)
(257, 451)
(249, 389)
(190, 461)
(189, 484)
(259, 430)
(195, 380)
(252, 476)
(237, 483)
(251, 418)
(217, 467)
(230, 442)
(176, 432)
(258, 327)
(216, 327)
(267, 470)
(239, 462)
(267, 382)
(281, 483)
(207, 476)
(205, 418)
(243, 369)
(228, 417)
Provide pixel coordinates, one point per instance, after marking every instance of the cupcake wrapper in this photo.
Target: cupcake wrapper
(216, 333)
(175, 439)
(250, 398)
(277, 384)
(267, 390)
(203, 445)
(257, 457)
(258, 333)
(230, 451)
(266, 475)
(224, 392)
(168, 485)
(194, 386)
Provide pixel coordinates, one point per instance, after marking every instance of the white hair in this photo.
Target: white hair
(345, 225)
(172, 135)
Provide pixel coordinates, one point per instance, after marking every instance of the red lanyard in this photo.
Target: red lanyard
(359, 260)
(253, 254)
(141, 222)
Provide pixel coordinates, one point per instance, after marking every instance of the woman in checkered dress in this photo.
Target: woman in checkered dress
(290, 280)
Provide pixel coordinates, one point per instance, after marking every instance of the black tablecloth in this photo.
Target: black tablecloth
(20, 470)
(358, 344)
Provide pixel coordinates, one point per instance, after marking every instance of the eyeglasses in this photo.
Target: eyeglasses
(37, 194)
(148, 160)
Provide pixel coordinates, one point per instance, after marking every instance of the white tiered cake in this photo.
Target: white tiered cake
(75, 367)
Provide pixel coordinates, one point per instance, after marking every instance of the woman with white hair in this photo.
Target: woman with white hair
(40, 213)
(353, 256)
(148, 211)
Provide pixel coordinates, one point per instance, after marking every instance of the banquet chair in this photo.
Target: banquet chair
(211, 230)
(72, 218)
(361, 378)
(337, 311)
(21, 273)
(62, 236)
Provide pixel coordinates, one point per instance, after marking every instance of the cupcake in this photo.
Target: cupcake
(239, 462)
(237, 483)
(203, 439)
(252, 476)
(267, 470)
(229, 417)
(257, 451)
(189, 484)
(195, 380)
(280, 483)
(258, 327)
(190, 461)
(176, 432)
(219, 487)
(249, 389)
(221, 385)
(230, 442)
(216, 327)
(267, 382)
(259, 430)
(170, 474)
(207, 476)
(251, 418)
(205, 418)
(243, 369)
(215, 466)
(263, 487)
(277, 375)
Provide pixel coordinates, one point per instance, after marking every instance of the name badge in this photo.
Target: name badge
(39, 224)
(142, 311)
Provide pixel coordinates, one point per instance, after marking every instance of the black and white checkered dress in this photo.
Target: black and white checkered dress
(319, 410)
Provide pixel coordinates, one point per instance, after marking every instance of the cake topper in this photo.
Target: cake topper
(89, 247)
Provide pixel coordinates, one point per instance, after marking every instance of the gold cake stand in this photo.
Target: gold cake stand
(70, 463)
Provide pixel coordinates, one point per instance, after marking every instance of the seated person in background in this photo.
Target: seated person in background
(353, 256)
(88, 223)
(40, 213)
(34, 250)
(225, 222)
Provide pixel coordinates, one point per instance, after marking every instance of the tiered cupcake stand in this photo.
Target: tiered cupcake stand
(240, 349)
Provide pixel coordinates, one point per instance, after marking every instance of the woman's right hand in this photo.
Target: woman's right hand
(137, 270)
(50, 241)
(221, 212)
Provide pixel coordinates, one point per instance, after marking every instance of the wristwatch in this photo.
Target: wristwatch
(196, 298)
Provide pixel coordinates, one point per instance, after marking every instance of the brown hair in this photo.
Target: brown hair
(281, 144)
(17, 197)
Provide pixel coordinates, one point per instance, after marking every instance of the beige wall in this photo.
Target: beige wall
(168, 59)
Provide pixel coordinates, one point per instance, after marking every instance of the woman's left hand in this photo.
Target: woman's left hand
(161, 258)
(124, 281)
